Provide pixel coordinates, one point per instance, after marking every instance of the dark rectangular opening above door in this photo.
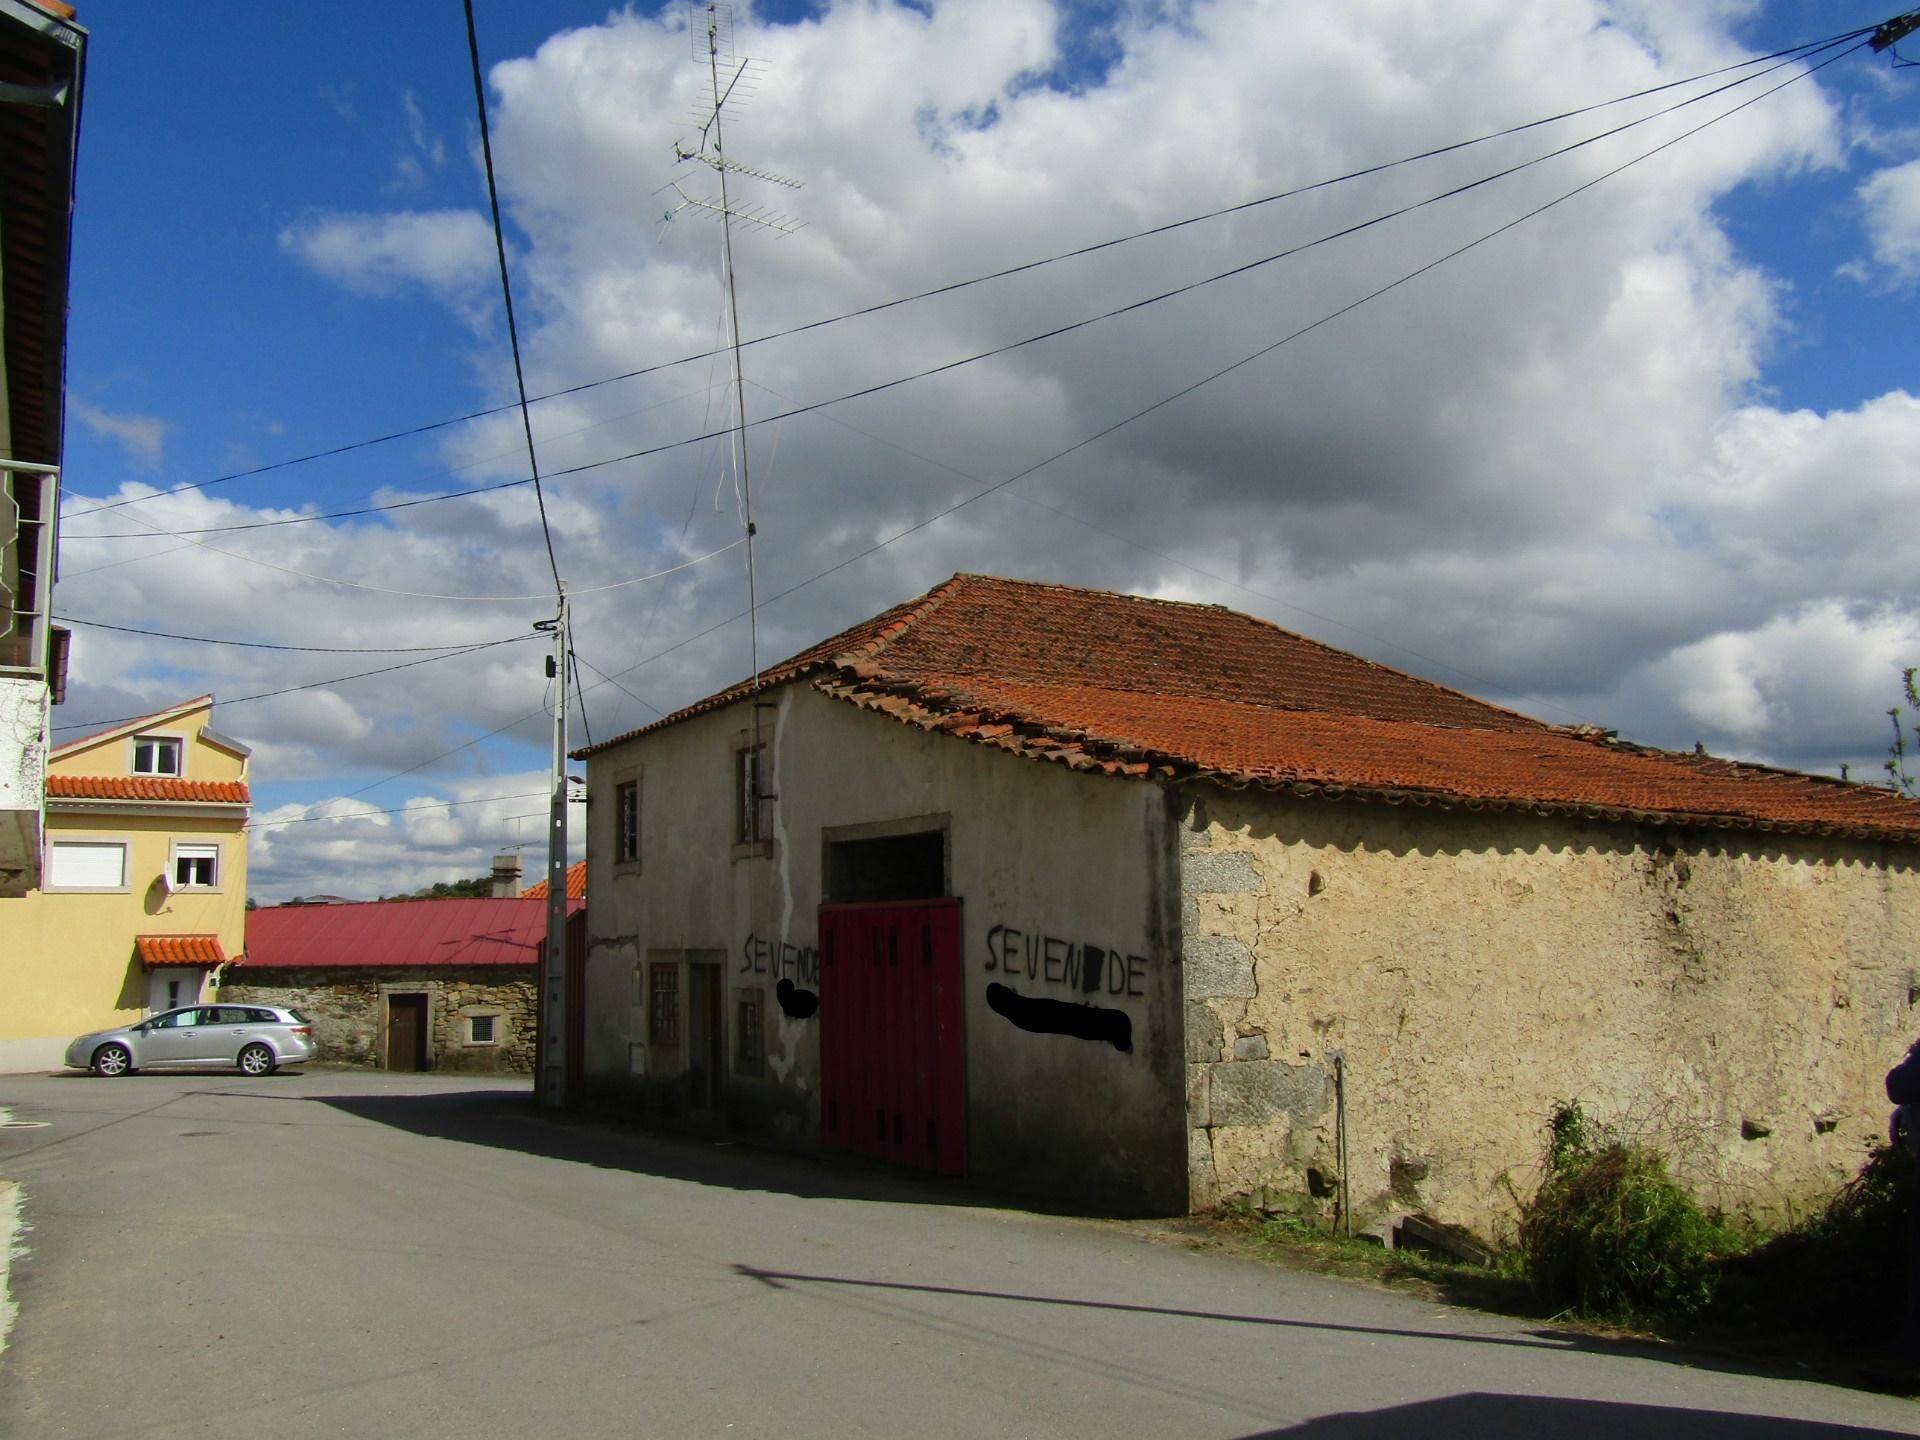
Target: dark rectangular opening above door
(891, 868)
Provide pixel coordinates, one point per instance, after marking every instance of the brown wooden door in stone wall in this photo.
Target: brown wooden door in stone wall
(407, 1032)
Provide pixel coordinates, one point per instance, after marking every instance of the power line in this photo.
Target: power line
(1000, 485)
(608, 679)
(311, 685)
(397, 810)
(573, 665)
(408, 594)
(1157, 554)
(1265, 350)
(264, 645)
(1070, 327)
(476, 464)
(506, 293)
(1081, 252)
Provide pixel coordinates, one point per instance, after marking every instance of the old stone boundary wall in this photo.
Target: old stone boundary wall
(1732, 998)
(349, 1018)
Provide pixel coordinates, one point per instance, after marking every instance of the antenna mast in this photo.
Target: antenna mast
(731, 79)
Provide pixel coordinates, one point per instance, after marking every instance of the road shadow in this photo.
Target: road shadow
(1527, 1417)
(508, 1119)
(1544, 1339)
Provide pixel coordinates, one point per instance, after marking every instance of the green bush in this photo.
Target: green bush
(1611, 1234)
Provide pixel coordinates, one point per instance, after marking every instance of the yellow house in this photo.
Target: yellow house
(143, 887)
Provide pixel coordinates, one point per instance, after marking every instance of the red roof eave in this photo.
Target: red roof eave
(157, 950)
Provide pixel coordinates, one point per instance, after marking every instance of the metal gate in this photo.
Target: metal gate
(892, 1059)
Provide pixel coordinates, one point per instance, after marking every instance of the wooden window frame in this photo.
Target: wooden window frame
(663, 1003)
(626, 822)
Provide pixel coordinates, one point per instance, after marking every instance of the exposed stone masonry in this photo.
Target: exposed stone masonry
(349, 1014)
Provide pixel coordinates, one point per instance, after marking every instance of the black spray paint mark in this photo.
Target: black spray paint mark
(759, 956)
(1077, 966)
(795, 1003)
(1058, 1017)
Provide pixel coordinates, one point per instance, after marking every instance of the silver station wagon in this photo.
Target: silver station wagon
(256, 1039)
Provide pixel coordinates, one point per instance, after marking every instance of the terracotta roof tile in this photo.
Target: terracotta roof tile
(576, 885)
(179, 950)
(147, 788)
(1129, 686)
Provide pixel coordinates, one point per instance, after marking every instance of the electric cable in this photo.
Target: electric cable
(397, 810)
(265, 645)
(310, 685)
(573, 664)
(506, 294)
(622, 689)
(379, 509)
(1265, 350)
(1056, 332)
(419, 594)
(1002, 274)
(693, 638)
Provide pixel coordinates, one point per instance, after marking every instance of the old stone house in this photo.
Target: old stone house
(403, 984)
(1136, 902)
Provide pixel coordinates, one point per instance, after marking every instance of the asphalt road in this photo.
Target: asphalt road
(335, 1253)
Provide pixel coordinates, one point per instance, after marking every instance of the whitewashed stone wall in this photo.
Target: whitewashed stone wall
(1734, 999)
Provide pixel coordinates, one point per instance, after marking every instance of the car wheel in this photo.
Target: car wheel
(257, 1060)
(112, 1060)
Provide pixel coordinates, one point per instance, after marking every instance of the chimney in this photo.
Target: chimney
(506, 876)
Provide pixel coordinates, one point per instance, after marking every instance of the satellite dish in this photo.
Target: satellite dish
(163, 884)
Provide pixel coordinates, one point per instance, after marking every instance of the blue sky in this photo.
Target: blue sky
(1571, 471)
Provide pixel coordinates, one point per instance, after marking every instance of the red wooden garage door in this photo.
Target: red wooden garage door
(892, 1065)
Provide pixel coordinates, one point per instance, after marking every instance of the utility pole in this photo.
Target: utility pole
(552, 1087)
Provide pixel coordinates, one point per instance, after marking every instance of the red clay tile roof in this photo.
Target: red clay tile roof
(383, 933)
(576, 885)
(179, 950)
(146, 787)
(1122, 685)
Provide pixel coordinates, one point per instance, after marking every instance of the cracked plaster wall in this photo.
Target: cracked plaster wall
(1732, 999)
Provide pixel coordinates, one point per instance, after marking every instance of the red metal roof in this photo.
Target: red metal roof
(384, 933)
(576, 885)
(146, 787)
(179, 950)
(1123, 685)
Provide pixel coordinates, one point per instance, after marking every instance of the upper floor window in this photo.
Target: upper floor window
(87, 865)
(196, 867)
(752, 805)
(626, 841)
(156, 755)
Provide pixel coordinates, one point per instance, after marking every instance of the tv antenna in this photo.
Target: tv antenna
(732, 79)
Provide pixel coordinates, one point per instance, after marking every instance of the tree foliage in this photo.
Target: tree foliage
(1901, 777)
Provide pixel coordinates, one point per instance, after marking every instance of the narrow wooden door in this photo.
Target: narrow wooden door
(706, 1038)
(407, 1032)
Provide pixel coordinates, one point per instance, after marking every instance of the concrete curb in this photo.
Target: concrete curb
(9, 1238)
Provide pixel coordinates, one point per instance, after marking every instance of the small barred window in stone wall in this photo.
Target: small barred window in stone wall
(749, 1054)
(480, 1029)
(664, 1012)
